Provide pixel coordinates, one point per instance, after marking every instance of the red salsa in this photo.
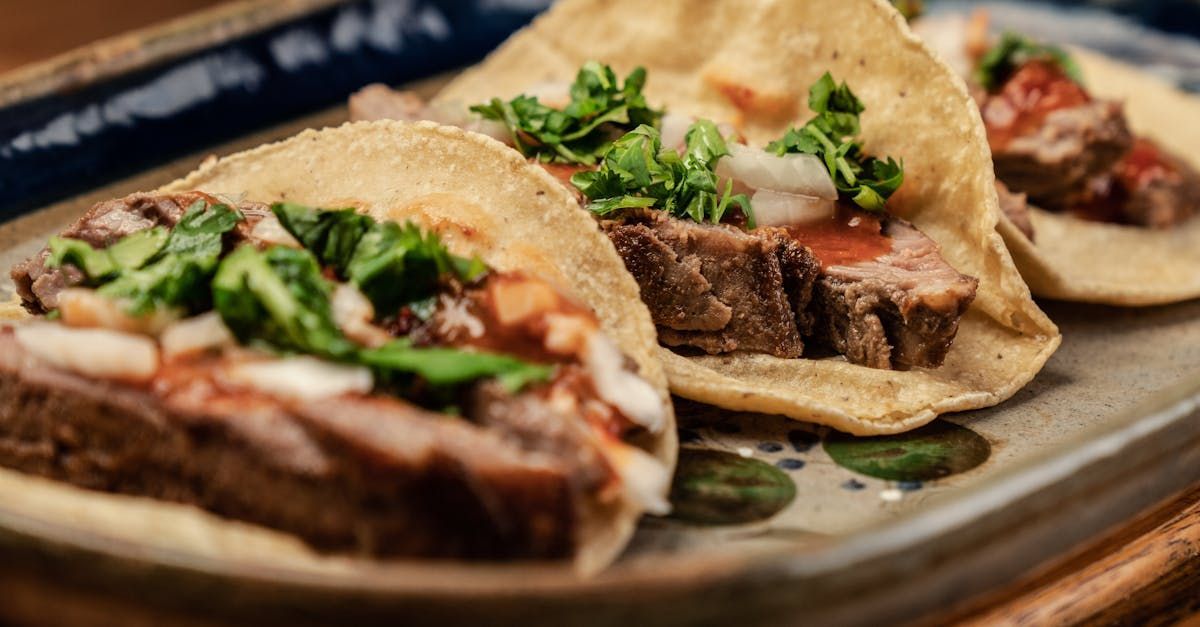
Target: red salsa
(850, 236)
(1106, 197)
(1036, 90)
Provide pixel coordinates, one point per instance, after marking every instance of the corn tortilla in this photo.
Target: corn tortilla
(703, 56)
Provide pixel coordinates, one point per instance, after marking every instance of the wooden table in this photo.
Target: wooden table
(31, 30)
(1146, 572)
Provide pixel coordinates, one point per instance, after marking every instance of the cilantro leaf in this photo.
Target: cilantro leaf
(129, 253)
(638, 172)
(441, 366)
(830, 135)
(393, 265)
(178, 275)
(279, 298)
(581, 132)
(1013, 51)
(155, 268)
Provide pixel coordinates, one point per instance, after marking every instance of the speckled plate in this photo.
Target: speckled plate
(774, 520)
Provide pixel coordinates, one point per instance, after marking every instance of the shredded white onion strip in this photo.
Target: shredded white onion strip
(97, 353)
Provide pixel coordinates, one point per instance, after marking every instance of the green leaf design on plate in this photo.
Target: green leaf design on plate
(939, 449)
(719, 488)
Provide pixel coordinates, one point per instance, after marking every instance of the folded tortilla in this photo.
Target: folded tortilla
(1079, 260)
(750, 64)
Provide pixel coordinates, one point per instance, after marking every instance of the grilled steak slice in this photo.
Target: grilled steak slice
(1016, 207)
(1056, 160)
(102, 225)
(1155, 188)
(715, 287)
(368, 474)
(899, 311)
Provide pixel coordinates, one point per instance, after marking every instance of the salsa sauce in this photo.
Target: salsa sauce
(849, 237)
(1021, 105)
(1107, 196)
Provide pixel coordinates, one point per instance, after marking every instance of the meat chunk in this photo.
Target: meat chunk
(372, 475)
(718, 288)
(1163, 204)
(721, 289)
(899, 311)
(1016, 208)
(102, 225)
(1071, 146)
(380, 102)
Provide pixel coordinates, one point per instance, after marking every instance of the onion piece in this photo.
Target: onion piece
(195, 335)
(354, 315)
(674, 131)
(636, 399)
(97, 353)
(647, 481)
(301, 378)
(269, 230)
(793, 174)
(84, 307)
(772, 208)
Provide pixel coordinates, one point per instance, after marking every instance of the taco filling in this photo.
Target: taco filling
(787, 250)
(1055, 143)
(320, 372)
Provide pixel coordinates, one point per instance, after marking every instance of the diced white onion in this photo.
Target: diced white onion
(674, 131)
(567, 334)
(195, 335)
(301, 378)
(793, 174)
(636, 399)
(97, 353)
(82, 307)
(772, 208)
(354, 314)
(270, 231)
(646, 480)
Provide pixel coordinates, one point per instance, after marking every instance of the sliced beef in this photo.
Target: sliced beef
(373, 475)
(102, 225)
(715, 287)
(721, 289)
(899, 311)
(531, 422)
(1164, 203)
(1056, 159)
(1016, 208)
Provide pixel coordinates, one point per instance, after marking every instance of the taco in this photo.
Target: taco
(844, 270)
(341, 374)
(1099, 176)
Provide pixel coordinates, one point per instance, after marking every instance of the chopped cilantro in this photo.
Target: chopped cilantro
(639, 172)
(582, 132)
(830, 135)
(278, 298)
(392, 264)
(155, 268)
(1013, 51)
